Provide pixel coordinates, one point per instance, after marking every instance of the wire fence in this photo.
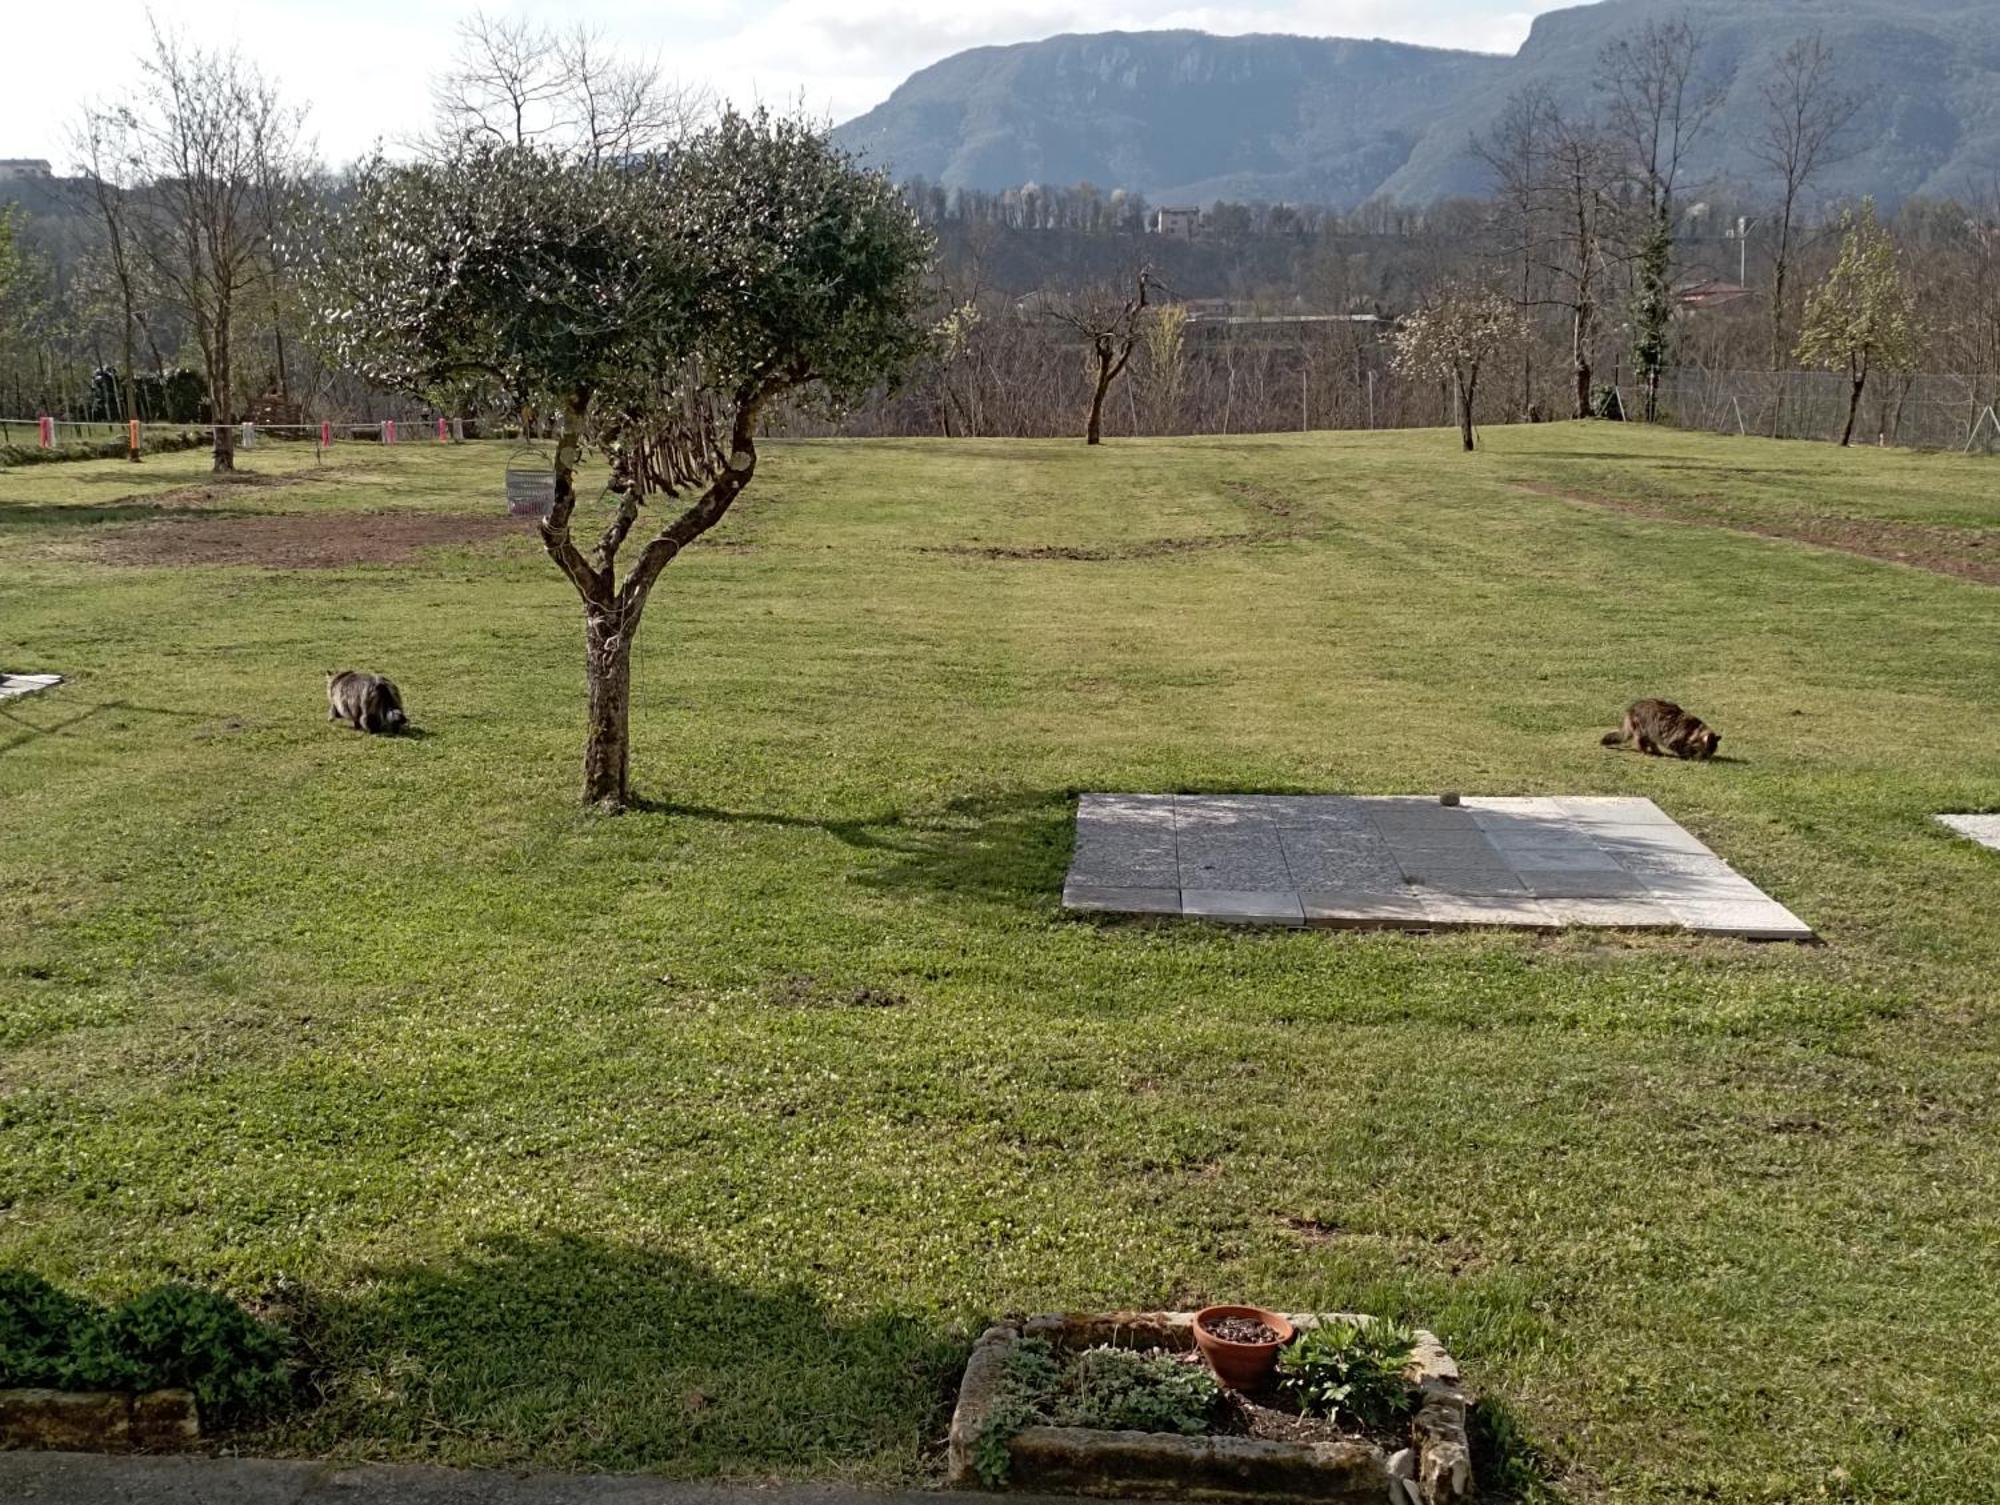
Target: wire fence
(59, 434)
(1919, 411)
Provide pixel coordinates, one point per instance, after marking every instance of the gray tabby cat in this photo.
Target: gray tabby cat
(367, 702)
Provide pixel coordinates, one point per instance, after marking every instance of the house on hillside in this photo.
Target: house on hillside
(1177, 224)
(13, 169)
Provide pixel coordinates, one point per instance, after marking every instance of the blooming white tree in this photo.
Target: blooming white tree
(1864, 316)
(1453, 337)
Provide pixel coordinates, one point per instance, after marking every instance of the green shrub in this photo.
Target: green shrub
(172, 1335)
(39, 1330)
(1350, 1368)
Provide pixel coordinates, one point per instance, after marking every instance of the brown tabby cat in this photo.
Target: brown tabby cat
(367, 702)
(1660, 726)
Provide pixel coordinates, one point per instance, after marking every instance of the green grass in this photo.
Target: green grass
(701, 1139)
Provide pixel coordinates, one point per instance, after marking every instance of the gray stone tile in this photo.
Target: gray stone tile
(1335, 812)
(1356, 909)
(1573, 856)
(1984, 829)
(1725, 885)
(1571, 883)
(1611, 914)
(1251, 908)
(1600, 809)
(13, 686)
(1633, 838)
(1126, 811)
(1480, 882)
(1516, 909)
(1666, 860)
(1232, 857)
(1401, 812)
(1759, 919)
(1126, 866)
(1336, 859)
(1121, 900)
(1408, 861)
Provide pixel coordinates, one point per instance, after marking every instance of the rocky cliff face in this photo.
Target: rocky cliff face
(1183, 116)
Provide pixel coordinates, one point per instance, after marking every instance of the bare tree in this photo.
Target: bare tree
(213, 141)
(1577, 171)
(1111, 329)
(1804, 114)
(504, 84)
(1515, 153)
(106, 159)
(1656, 106)
(514, 83)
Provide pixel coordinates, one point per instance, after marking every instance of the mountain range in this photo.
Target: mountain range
(1186, 117)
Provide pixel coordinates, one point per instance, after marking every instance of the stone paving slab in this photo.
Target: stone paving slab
(1412, 862)
(1984, 829)
(12, 686)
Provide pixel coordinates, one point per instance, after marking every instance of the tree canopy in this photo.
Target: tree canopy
(652, 306)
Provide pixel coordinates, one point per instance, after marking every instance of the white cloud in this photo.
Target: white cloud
(363, 64)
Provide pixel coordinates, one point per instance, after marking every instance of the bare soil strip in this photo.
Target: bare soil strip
(1966, 553)
(303, 541)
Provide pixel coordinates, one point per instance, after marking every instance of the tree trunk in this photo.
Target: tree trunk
(1579, 354)
(1853, 408)
(1465, 414)
(218, 396)
(1093, 432)
(131, 392)
(607, 772)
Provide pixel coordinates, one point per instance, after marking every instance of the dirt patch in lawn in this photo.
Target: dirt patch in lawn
(304, 541)
(1967, 553)
(1146, 548)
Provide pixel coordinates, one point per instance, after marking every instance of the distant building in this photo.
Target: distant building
(1711, 294)
(15, 168)
(1177, 224)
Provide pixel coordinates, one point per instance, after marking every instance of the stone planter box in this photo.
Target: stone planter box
(99, 1421)
(1436, 1469)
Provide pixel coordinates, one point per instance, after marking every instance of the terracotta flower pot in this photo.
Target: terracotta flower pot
(1241, 1366)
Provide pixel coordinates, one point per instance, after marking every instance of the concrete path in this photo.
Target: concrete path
(31, 1478)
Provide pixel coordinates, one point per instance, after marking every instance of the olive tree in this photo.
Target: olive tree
(654, 308)
(1863, 317)
(1455, 336)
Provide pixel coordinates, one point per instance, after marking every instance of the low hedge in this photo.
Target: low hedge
(171, 1335)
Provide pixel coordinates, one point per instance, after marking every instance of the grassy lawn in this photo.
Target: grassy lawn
(700, 1140)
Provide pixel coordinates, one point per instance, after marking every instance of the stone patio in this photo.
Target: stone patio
(1409, 862)
(1984, 829)
(14, 685)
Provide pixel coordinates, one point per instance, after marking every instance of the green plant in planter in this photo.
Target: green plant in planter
(1110, 1389)
(1350, 1368)
(1121, 1390)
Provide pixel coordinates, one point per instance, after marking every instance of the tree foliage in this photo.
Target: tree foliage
(1863, 317)
(652, 307)
(1453, 337)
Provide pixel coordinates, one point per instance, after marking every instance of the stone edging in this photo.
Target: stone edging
(99, 1421)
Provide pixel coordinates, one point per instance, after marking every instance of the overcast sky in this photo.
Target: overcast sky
(361, 65)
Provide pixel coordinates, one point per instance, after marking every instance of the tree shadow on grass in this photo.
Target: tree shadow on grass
(61, 517)
(585, 1352)
(1507, 1467)
(1009, 848)
(30, 731)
